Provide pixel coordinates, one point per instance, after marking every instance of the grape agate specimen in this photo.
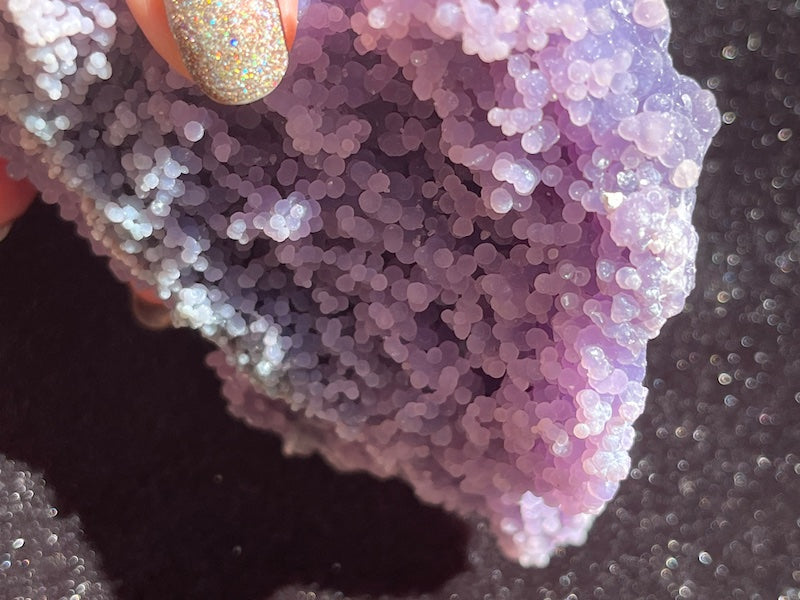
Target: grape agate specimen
(437, 251)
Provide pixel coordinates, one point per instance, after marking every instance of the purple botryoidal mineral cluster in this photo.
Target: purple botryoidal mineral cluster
(437, 251)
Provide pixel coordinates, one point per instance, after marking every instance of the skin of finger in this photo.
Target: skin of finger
(152, 19)
(15, 196)
(147, 294)
(288, 10)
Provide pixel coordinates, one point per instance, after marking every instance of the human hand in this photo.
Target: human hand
(15, 197)
(235, 50)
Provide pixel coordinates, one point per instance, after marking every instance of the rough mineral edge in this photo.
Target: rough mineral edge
(437, 251)
(42, 555)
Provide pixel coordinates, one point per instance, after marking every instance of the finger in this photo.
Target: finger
(148, 309)
(152, 19)
(234, 61)
(15, 197)
(289, 17)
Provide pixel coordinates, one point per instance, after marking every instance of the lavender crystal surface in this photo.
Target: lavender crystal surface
(436, 251)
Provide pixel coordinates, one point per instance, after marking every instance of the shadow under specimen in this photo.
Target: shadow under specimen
(130, 431)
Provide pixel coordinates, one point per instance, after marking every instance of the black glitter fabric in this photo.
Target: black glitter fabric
(41, 554)
(180, 501)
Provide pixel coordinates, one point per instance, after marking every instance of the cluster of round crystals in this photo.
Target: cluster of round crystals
(436, 251)
(43, 554)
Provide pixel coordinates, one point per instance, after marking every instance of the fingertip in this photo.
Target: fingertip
(148, 308)
(151, 15)
(288, 10)
(153, 20)
(15, 195)
(146, 293)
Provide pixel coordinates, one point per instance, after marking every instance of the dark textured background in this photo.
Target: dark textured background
(180, 501)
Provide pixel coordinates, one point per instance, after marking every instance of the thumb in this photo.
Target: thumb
(15, 197)
(236, 51)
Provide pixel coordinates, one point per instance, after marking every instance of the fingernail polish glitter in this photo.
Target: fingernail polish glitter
(234, 49)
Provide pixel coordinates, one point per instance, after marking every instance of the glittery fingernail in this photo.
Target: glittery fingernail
(234, 49)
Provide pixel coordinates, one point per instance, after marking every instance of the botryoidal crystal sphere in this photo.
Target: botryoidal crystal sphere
(437, 251)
